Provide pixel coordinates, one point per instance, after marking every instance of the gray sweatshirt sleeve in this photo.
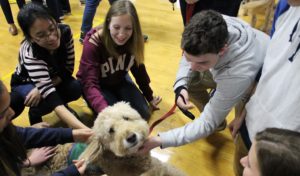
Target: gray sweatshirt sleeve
(182, 74)
(225, 97)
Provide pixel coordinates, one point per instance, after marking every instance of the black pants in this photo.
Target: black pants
(16, 103)
(227, 7)
(128, 92)
(68, 91)
(56, 7)
(7, 10)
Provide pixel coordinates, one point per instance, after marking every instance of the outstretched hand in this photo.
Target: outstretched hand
(82, 135)
(41, 125)
(149, 144)
(41, 155)
(154, 103)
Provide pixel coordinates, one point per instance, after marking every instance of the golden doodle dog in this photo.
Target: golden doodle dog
(119, 131)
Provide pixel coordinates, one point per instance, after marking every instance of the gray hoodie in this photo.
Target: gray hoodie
(234, 73)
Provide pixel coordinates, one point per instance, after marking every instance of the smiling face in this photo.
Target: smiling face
(45, 33)
(121, 29)
(250, 163)
(120, 129)
(6, 113)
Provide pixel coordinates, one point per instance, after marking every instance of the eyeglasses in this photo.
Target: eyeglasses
(43, 37)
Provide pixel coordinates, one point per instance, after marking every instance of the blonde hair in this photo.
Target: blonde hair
(135, 45)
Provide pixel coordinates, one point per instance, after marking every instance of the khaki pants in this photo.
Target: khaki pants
(239, 152)
(198, 84)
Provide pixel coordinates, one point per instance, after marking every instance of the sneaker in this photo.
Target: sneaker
(82, 35)
(145, 37)
(222, 126)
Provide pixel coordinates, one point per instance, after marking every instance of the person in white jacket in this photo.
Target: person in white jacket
(233, 51)
(276, 100)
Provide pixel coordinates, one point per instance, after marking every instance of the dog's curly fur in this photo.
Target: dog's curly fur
(119, 131)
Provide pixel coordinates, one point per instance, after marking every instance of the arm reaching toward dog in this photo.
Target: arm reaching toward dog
(39, 156)
(76, 169)
(150, 143)
(81, 135)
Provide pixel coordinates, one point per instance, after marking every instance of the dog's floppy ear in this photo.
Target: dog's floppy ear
(92, 152)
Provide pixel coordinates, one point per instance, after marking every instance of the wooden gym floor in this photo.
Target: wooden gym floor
(212, 156)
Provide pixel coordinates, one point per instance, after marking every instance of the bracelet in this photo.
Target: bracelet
(29, 162)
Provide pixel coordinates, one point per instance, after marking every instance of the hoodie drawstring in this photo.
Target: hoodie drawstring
(291, 38)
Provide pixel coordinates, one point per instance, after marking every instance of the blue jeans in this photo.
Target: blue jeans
(89, 14)
(68, 90)
(24, 89)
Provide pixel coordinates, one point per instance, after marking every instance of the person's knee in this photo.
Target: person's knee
(74, 91)
(144, 111)
(142, 108)
(146, 115)
(77, 89)
(35, 115)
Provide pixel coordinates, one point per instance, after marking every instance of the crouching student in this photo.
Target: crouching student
(233, 51)
(43, 76)
(108, 54)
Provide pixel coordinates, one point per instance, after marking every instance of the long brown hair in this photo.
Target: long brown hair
(12, 151)
(135, 44)
(278, 152)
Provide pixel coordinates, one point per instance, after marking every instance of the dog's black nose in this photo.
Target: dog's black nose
(131, 138)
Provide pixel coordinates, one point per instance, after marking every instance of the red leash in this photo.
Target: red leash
(189, 14)
(169, 113)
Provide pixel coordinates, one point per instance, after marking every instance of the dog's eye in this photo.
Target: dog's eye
(126, 118)
(111, 130)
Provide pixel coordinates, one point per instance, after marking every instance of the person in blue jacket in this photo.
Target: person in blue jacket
(15, 140)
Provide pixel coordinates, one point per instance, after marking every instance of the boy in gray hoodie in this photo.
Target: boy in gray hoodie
(233, 52)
